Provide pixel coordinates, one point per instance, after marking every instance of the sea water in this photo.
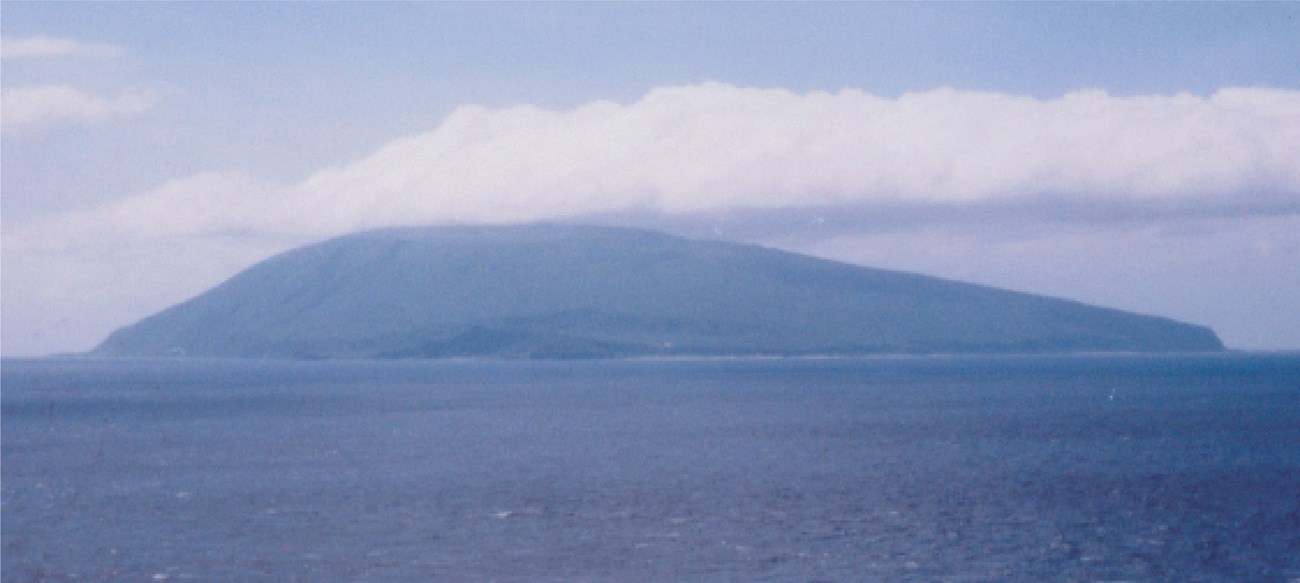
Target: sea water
(1080, 468)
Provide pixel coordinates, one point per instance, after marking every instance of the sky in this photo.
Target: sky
(1141, 156)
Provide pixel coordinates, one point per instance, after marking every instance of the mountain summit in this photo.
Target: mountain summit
(552, 291)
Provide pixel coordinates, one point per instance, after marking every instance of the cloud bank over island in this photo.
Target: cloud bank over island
(713, 148)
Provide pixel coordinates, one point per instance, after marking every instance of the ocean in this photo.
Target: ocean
(1012, 468)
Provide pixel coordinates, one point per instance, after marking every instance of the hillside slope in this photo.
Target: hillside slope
(549, 291)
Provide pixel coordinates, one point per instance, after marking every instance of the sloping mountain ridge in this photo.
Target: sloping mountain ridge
(556, 291)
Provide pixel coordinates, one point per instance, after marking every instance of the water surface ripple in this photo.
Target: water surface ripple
(1083, 468)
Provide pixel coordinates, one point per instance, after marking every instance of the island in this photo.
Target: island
(554, 291)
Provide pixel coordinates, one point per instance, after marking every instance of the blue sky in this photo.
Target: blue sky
(211, 117)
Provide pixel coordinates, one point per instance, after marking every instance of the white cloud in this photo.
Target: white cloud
(29, 108)
(715, 147)
(208, 205)
(48, 47)
(711, 147)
